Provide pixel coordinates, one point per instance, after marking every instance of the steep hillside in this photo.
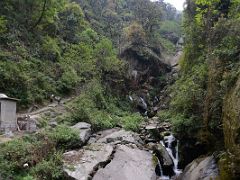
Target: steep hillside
(205, 101)
(107, 55)
(47, 47)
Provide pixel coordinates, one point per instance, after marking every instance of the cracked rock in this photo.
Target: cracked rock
(80, 165)
(129, 163)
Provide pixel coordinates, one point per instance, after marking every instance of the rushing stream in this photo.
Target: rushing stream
(171, 145)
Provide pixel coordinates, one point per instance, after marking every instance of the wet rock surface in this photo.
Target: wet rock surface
(201, 169)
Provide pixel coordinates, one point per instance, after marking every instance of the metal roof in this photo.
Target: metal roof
(5, 97)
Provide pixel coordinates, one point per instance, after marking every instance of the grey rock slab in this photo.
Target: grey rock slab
(163, 154)
(129, 163)
(120, 135)
(201, 169)
(79, 165)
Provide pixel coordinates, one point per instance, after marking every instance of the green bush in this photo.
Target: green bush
(39, 151)
(50, 49)
(132, 122)
(64, 137)
(49, 169)
(14, 154)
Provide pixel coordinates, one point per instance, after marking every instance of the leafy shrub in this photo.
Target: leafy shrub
(189, 92)
(132, 122)
(49, 169)
(39, 151)
(3, 23)
(63, 136)
(16, 153)
(50, 49)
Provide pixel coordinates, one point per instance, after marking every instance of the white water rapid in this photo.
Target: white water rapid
(172, 149)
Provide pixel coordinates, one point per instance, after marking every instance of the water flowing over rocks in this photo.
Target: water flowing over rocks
(117, 154)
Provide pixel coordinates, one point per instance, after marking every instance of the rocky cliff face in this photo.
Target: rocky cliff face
(145, 66)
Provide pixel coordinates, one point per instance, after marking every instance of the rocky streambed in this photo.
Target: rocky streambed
(117, 154)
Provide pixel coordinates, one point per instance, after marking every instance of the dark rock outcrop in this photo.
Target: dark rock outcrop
(165, 159)
(145, 66)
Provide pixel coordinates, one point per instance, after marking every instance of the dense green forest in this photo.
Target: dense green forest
(56, 46)
(205, 99)
(74, 48)
(110, 57)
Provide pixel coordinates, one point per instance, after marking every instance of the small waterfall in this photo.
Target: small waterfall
(143, 102)
(160, 168)
(162, 177)
(130, 98)
(167, 143)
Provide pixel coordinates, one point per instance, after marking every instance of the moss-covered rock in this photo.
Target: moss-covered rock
(231, 127)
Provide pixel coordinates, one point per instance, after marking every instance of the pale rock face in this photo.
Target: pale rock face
(81, 164)
(119, 135)
(84, 131)
(128, 164)
(201, 169)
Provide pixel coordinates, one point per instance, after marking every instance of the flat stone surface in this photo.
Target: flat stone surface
(120, 135)
(80, 164)
(129, 163)
(82, 125)
(151, 127)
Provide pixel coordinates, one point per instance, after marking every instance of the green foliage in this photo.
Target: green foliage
(71, 22)
(132, 21)
(3, 23)
(16, 153)
(170, 27)
(64, 137)
(55, 56)
(39, 151)
(187, 104)
(50, 49)
(91, 106)
(189, 90)
(49, 169)
(132, 122)
(107, 60)
(135, 34)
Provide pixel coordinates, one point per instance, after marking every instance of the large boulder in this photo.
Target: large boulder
(201, 169)
(84, 131)
(80, 165)
(128, 164)
(165, 159)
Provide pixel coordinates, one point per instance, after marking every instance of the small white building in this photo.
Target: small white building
(8, 117)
